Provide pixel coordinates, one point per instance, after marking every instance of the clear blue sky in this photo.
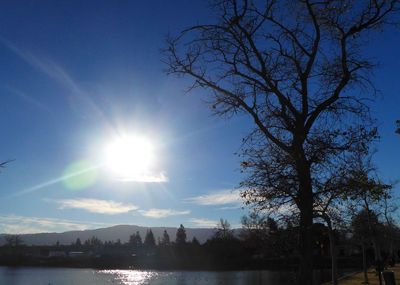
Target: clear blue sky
(72, 73)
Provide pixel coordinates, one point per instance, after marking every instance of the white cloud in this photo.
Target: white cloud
(107, 207)
(162, 213)
(235, 207)
(203, 223)
(224, 197)
(13, 224)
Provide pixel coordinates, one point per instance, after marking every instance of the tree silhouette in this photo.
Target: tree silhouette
(223, 230)
(14, 241)
(254, 228)
(180, 235)
(365, 225)
(165, 239)
(78, 242)
(149, 240)
(195, 242)
(398, 127)
(288, 65)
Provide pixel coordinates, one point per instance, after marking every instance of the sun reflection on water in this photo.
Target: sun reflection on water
(132, 277)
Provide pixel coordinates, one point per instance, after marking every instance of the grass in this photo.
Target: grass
(358, 278)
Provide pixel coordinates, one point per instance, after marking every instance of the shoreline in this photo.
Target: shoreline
(357, 277)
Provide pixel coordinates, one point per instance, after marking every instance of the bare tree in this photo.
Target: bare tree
(223, 230)
(390, 207)
(293, 67)
(328, 209)
(367, 191)
(14, 241)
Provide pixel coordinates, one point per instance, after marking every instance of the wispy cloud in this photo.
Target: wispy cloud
(107, 207)
(162, 213)
(44, 65)
(224, 197)
(235, 207)
(203, 223)
(14, 224)
(29, 99)
(79, 97)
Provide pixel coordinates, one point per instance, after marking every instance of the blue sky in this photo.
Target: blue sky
(73, 73)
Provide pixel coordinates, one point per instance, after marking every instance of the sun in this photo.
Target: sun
(129, 156)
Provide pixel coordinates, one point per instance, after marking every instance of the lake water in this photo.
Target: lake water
(71, 276)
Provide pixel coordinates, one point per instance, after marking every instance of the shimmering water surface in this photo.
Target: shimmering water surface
(71, 276)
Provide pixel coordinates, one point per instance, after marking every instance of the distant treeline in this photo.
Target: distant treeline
(260, 245)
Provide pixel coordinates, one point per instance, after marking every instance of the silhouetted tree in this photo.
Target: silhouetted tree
(195, 242)
(333, 190)
(136, 240)
(14, 241)
(180, 235)
(290, 66)
(93, 242)
(365, 202)
(365, 225)
(165, 239)
(149, 240)
(78, 242)
(398, 127)
(223, 230)
(254, 229)
(390, 207)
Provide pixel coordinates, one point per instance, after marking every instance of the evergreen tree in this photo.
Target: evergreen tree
(181, 235)
(138, 240)
(94, 241)
(135, 240)
(165, 239)
(195, 242)
(149, 240)
(78, 242)
(87, 243)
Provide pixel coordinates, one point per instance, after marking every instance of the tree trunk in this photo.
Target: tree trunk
(306, 221)
(364, 255)
(377, 250)
(378, 259)
(305, 248)
(332, 245)
(391, 250)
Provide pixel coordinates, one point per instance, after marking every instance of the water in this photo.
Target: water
(72, 276)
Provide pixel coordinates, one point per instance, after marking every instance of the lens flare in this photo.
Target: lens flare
(79, 175)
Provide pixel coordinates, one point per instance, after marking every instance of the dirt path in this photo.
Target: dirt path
(358, 278)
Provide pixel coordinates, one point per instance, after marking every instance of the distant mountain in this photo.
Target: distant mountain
(113, 233)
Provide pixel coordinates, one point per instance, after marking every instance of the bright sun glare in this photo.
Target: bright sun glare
(129, 156)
